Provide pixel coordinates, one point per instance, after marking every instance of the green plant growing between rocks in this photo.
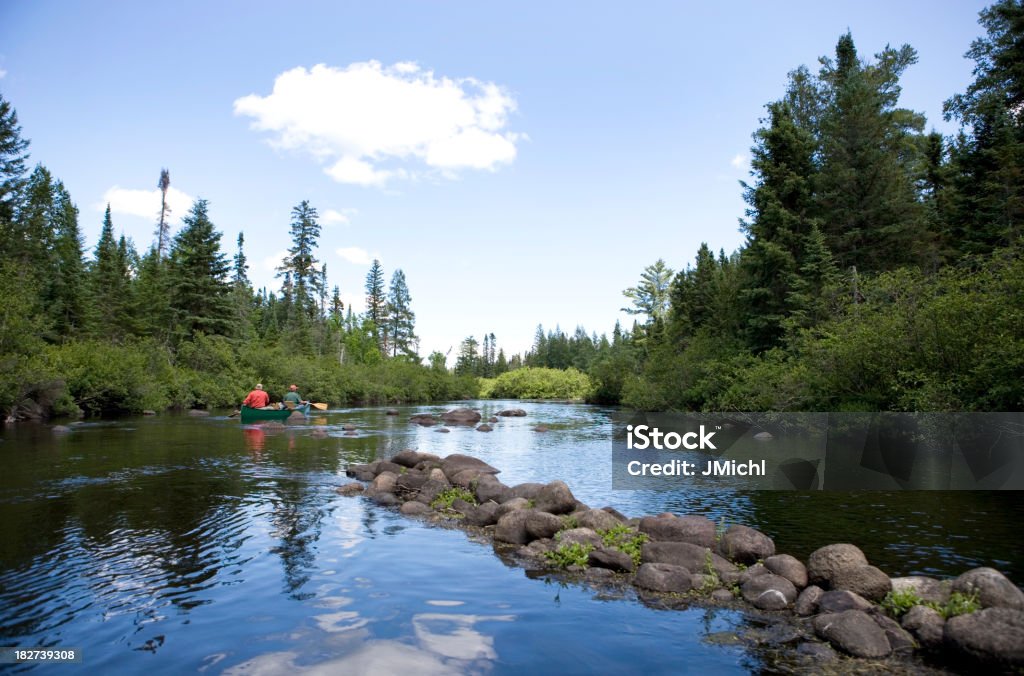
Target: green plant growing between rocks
(898, 603)
(573, 554)
(624, 539)
(444, 499)
(711, 579)
(960, 604)
(569, 522)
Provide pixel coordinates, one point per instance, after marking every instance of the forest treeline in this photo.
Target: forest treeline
(882, 263)
(881, 271)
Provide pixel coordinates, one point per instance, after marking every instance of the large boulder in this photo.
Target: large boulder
(597, 519)
(899, 638)
(788, 567)
(746, 545)
(927, 588)
(413, 508)
(353, 488)
(528, 491)
(555, 498)
(612, 559)
(515, 504)
(430, 490)
(926, 625)
(868, 581)
(581, 536)
(407, 458)
(994, 590)
(488, 487)
(690, 556)
(853, 632)
(993, 636)
(697, 530)
(823, 563)
(663, 577)
(807, 603)
(410, 482)
(769, 592)
(542, 524)
(484, 514)
(457, 462)
(512, 413)
(840, 600)
(461, 416)
(384, 482)
(424, 419)
(511, 527)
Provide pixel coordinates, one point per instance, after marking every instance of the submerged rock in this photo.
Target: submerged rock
(512, 413)
(461, 416)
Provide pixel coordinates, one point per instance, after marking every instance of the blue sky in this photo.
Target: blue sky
(521, 162)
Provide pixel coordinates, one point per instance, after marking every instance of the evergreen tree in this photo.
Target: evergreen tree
(241, 291)
(651, 296)
(377, 304)
(12, 172)
(199, 277)
(68, 303)
(468, 361)
(870, 150)
(337, 306)
(400, 317)
(108, 284)
(301, 262)
(152, 309)
(163, 228)
(986, 205)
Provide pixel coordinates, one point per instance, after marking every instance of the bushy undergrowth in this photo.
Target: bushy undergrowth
(538, 383)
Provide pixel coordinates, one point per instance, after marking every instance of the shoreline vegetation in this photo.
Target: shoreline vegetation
(822, 613)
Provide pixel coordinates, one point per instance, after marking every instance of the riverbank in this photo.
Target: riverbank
(834, 607)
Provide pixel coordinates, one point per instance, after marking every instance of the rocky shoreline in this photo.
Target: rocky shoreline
(834, 609)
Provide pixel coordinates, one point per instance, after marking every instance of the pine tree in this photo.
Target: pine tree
(241, 291)
(108, 284)
(377, 304)
(152, 309)
(163, 228)
(651, 296)
(68, 305)
(301, 262)
(199, 277)
(400, 317)
(12, 173)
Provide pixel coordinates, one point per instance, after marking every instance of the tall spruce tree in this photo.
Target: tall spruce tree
(401, 319)
(377, 304)
(301, 261)
(108, 285)
(199, 277)
(68, 304)
(12, 172)
(163, 227)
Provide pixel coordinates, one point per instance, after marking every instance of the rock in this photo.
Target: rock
(391, 411)
(824, 562)
(899, 638)
(60, 429)
(467, 478)
(424, 419)
(542, 524)
(612, 559)
(347, 434)
(489, 488)
(511, 527)
(663, 577)
(198, 412)
(807, 603)
(407, 458)
(482, 515)
(512, 413)
(537, 549)
(993, 636)
(512, 505)
(350, 489)
(413, 508)
(751, 573)
(582, 536)
(746, 545)
(385, 481)
(769, 592)
(385, 499)
(764, 436)
(868, 581)
(456, 463)
(410, 482)
(597, 519)
(928, 588)
(690, 556)
(722, 596)
(430, 490)
(540, 428)
(492, 419)
(485, 428)
(614, 512)
(319, 434)
(555, 498)
(599, 574)
(348, 427)
(838, 601)
(443, 430)
(701, 582)
(528, 491)
(853, 632)
(386, 466)
(697, 530)
(925, 624)
(819, 652)
(461, 416)
(148, 412)
(437, 475)
(788, 567)
(994, 590)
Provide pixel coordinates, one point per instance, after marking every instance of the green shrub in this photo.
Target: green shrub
(625, 539)
(574, 554)
(448, 496)
(540, 383)
(897, 603)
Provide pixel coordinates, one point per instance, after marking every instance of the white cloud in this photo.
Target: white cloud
(145, 203)
(370, 124)
(739, 161)
(274, 261)
(3, 73)
(337, 217)
(355, 255)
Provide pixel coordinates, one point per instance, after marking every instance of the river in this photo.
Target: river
(174, 544)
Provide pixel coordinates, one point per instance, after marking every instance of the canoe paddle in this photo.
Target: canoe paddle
(320, 406)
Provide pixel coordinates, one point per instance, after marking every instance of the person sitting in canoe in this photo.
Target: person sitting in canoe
(293, 399)
(257, 398)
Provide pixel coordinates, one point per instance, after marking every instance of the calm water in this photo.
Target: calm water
(176, 544)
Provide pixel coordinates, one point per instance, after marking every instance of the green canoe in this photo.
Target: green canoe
(249, 415)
